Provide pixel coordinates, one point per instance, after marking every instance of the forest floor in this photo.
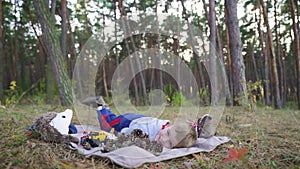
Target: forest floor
(272, 138)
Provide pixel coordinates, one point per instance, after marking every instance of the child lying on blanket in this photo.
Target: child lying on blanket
(178, 135)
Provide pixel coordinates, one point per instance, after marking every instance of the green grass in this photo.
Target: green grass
(271, 136)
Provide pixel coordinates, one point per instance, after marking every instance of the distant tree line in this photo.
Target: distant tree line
(257, 41)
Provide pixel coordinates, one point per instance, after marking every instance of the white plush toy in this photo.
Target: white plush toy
(54, 127)
(62, 121)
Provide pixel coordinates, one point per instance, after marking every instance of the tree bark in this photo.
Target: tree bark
(158, 48)
(64, 28)
(224, 74)
(228, 57)
(212, 52)
(254, 63)
(279, 57)
(265, 65)
(195, 55)
(53, 6)
(277, 101)
(127, 31)
(15, 46)
(50, 80)
(1, 55)
(284, 86)
(104, 79)
(116, 37)
(297, 49)
(72, 59)
(104, 64)
(237, 61)
(53, 51)
(199, 69)
(220, 50)
(22, 57)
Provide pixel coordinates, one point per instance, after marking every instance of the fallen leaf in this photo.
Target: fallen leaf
(235, 154)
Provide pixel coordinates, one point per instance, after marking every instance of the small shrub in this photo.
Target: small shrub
(204, 96)
(12, 94)
(178, 99)
(170, 91)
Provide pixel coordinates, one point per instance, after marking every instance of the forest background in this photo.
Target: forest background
(265, 56)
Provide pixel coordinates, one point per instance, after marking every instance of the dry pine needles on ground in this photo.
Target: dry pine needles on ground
(270, 136)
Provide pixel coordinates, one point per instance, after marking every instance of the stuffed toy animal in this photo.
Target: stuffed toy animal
(137, 138)
(54, 127)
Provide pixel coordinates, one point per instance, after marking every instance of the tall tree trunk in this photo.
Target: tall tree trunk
(284, 92)
(22, 57)
(293, 80)
(72, 59)
(284, 80)
(251, 54)
(50, 80)
(176, 52)
(53, 6)
(224, 74)
(237, 64)
(104, 79)
(277, 102)
(127, 32)
(228, 57)
(190, 34)
(1, 55)
(116, 38)
(279, 57)
(136, 93)
(269, 67)
(160, 80)
(15, 46)
(53, 51)
(64, 29)
(212, 52)
(220, 50)
(104, 64)
(42, 52)
(297, 48)
(200, 69)
(265, 65)
(152, 74)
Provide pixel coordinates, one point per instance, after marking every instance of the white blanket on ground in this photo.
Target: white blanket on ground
(133, 156)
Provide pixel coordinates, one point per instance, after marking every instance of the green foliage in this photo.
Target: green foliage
(271, 164)
(170, 91)
(34, 94)
(39, 93)
(12, 94)
(255, 92)
(204, 96)
(178, 99)
(20, 19)
(173, 96)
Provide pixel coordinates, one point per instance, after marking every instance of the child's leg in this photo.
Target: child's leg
(107, 119)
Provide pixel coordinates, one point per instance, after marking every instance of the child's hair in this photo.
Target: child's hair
(185, 133)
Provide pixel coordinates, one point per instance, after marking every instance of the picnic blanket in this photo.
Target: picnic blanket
(133, 156)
